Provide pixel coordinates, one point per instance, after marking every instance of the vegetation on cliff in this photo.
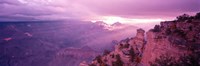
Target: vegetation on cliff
(172, 43)
(183, 33)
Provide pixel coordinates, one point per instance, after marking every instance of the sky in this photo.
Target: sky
(110, 11)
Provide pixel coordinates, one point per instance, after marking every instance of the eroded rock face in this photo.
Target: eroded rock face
(174, 39)
(127, 52)
(156, 47)
(138, 42)
(140, 34)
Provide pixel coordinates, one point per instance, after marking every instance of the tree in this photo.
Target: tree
(106, 52)
(164, 60)
(132, 54)
(183, 17)
(98, 58)
(92, 65)
(118, 61)
(126, 45)
(185, 60)
(168, 31)
(197, 16)
(156, 28)
(189, 60)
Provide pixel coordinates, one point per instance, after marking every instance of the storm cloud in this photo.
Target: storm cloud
(86, 9)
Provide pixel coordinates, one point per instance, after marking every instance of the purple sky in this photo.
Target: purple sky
(95, 9)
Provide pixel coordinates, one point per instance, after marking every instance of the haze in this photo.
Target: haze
(109, 11)
(67, 32)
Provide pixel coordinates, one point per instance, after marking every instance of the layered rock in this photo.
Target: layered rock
(127, 52)
(73, 56)
(173, 38)
(157, 46)
(172, 43)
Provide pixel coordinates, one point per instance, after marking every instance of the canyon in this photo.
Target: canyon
(172, 43)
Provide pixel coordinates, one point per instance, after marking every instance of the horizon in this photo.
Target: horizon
(124, 11)
(99, 32)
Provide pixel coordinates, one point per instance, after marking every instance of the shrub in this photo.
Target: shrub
(185, 60)
(156, 28)
(191, 59)
(183, 17)
(132, 54)
(113, 56)
(164, 60)
(168, 31)
(197, 16)
(179, 32)
(98, 58)
(118, 62)
(92, 65)
(126, 45)
(106, 52)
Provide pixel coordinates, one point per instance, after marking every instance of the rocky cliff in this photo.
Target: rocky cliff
(172, 43)
(127, 52)
(173, 39)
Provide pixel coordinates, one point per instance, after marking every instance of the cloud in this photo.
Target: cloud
(45, 9)
(143, 7)
(79, 9)
(16, 18)
(12, 2)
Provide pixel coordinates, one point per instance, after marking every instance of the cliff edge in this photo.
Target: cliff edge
(172, 43)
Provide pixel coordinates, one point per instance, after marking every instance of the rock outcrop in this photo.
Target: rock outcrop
(172, 43)
(173, 38)
(127, 52)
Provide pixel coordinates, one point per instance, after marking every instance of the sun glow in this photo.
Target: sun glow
(114, 19)
(111, 20)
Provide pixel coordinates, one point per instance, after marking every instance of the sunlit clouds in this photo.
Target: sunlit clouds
(114, 19)
(110, 11)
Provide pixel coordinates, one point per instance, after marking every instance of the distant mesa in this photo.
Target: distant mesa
(117, 24)
(100, 23)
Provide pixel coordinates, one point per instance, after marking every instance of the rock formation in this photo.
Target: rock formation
(174, 39)
(172, 43)
(127, 52)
